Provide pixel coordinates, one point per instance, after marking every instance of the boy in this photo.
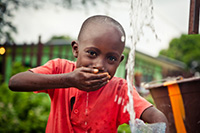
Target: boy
(85, 97)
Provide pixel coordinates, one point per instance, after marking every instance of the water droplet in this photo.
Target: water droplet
(115, 98)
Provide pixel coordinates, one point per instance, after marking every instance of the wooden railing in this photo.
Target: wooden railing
(31, 55)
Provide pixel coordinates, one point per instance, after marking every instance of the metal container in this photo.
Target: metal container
(179, 100)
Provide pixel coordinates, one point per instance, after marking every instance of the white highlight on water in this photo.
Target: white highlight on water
(115, 98)
(122, 38)
(87, 100)
(119, 100)
(141, 17)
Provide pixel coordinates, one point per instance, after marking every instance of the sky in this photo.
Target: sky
(171, 19)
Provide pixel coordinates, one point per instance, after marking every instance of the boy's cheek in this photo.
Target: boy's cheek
(82, 63)
(112, 71)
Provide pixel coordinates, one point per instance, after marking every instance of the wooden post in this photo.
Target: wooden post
(13, 52)
(24, 54)
(31, 54)
(60, 51)
(51, 52)
(3, 70)
(67, 54)
(39, 53)
(194, 17)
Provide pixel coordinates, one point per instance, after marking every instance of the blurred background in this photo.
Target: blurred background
(33, 32)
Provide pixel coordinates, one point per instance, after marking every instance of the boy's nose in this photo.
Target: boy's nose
(99, 64)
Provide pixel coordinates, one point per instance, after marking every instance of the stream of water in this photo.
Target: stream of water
(141, 17)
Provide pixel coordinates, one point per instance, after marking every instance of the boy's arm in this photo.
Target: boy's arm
(82, 78)
(29, 81)
(153, 115)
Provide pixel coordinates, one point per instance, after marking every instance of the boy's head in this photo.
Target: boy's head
(100, 44)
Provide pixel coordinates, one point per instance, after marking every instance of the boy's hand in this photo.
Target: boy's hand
(88, 79)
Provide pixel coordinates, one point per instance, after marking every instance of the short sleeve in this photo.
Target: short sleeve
(47, 68)
(56, 66)
(140, 104)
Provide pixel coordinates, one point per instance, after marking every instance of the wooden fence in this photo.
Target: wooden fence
(31, 55)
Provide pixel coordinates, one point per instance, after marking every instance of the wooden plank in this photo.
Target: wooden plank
(51, 52)
(40, 52)
(24, 54)
(13, 47)
(3, 69)
(194, 17)
(32, 51)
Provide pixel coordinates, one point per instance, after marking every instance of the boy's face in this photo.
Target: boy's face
(101, 48)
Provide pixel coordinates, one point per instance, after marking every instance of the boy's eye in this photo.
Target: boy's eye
(112, 58)
(92, 53)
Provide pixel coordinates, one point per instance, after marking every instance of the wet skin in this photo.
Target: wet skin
(98, 53)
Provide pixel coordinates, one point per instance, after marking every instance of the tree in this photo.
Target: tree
(8, 7)
(186, 49)
(22, 112)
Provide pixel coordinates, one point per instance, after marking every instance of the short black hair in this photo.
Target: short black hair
(100, 19)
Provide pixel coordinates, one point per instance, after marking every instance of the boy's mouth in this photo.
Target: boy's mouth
(96, 71)
(99, 71)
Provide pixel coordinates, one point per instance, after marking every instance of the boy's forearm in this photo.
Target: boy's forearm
(29, 81)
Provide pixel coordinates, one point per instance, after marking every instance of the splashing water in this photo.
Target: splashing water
(141, 17)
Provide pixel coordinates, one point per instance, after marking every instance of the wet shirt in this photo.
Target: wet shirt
(98, 111)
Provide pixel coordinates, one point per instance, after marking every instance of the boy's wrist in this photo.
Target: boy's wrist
(68, 80)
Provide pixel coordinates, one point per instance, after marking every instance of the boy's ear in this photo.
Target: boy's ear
(75, 48)
(122, 58)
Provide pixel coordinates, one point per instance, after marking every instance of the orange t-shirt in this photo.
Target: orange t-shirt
(98, 111)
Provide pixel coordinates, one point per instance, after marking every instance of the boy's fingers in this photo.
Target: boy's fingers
(97, 82)
(96, 86)
(89, 70)
(99, 76)
(107, 74)
(93, 73)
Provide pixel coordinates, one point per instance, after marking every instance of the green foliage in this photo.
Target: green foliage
(150, 99)
(22, 111)
(18, 67)
(186, 49)
(124, 128)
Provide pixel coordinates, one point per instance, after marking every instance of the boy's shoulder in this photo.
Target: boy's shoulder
(60, 62)
(55, 66)
(63, 65)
